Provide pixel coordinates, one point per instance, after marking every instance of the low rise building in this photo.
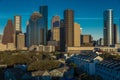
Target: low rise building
(108, 69)
(86, 62)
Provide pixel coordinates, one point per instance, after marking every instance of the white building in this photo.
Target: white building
(108, 70)
(86, 62)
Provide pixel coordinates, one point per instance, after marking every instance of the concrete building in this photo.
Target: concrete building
(108, 69)
(77, 33)
(44, 12)
(2, 47)
(10, 46)
(55, 43)
(100, 42)
(9, 33)
(69, 27)
(17, 23)
(20, 41)
(108, 28)
(86, 40)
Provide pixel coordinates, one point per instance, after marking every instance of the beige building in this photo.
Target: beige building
(2, 47)
(86, 40)
(77, 33)
(17, 23)
(20, 41)
(10, 46)
(56, 33)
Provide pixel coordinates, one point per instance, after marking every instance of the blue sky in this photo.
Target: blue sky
(88, 13)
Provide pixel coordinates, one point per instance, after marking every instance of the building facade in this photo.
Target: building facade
(17, 23)
(69, 27)
(108, 27)
(9, 33)
(44, 12)
(35, 30)
(115, 29)
(77, 33)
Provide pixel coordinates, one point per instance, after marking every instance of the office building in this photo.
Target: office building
(108, 28)
(17, 23)
(115, 30)
(77, 33)
(20, 41)
(69, 27)
(55, 21)
(86, 40)
(35, 30)
(44, 12)
(9, 33)
(62, 35)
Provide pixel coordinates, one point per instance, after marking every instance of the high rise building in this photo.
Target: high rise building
(20, 41)
(108, 28)
(55, 28)
(69, 27)
(115, 30)
(44, 12)
(17, 23)
(86, 40)
(35, 33)
(9, 33)
(62, 35)
(77, 33)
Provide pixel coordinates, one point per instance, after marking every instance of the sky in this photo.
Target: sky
(88, 13)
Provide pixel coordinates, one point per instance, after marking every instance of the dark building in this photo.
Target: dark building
(9, 33)
(69, 27)
(49, 35)
(115, 30)
(44, 12)
(62, 36)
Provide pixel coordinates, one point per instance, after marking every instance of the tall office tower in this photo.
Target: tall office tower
(17, 23)
(44, 12)
(35, 29)
(115, 30)
(77, 33)
(0, 38)
(62, 35)
(9, 33)
(108, 28)
(69, 27)
(20, 41)
(55, 28)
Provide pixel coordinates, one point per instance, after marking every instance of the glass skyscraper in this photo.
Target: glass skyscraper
(34, 30)
(44, 12)
(108, 28)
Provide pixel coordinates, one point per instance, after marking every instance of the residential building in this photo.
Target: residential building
(108, 69)
(86, 61)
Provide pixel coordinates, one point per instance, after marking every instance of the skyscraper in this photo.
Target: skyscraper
(17, 23)
(69, 27)
(77, 33)
(55, 28)
(115, 30)
(44, 12)
(34, 29)
(9, 33)
(108, 28)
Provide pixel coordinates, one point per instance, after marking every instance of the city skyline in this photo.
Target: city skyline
(89, 22)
